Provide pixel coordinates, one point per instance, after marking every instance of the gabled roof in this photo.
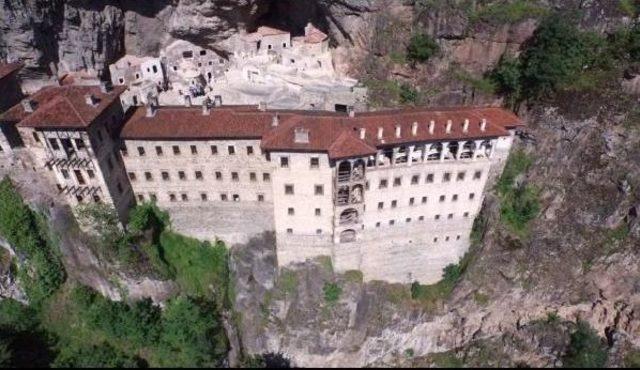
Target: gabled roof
(63, 107)
(312, 35)
(336, 134)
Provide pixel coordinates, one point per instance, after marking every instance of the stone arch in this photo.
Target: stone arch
(467, 149)
(348, 236)
(342, 197)
(485, 148)
(348, 216)
(344, 171)
(452, 150)
(357, 173)
(435, 151)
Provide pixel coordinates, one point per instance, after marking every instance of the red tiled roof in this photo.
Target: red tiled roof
(7, 69)
(190, 123)
(314, 35)
(63, 107)
(334, 133)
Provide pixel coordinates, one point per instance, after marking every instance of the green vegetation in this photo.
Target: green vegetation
(630, 8)
(586, 349)
(631, 359)
(481, 298)
(332, 292)
(408, 95)
(561, 57)
(519, 202)
(503, 12)
(446, 360)
(484, 85)
(409, 353)
(430, 295)
(70, 326)
(354, 276)
(26, 231)
(288, 282)
(421, 48)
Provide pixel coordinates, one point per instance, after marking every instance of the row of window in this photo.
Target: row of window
(314, 162)
(203, 196)
(412, 200)
(193, 149)
(437, 217)
(429, 178)
(199, 175)
(317, 189)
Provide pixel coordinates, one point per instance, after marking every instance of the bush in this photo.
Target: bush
(104, 355)
(408, 95)
(586, 349)
(556, 55)
(332, 292)
(508, 12)
(507, 79)
(429, 295)
(43, 272)
(421, 48)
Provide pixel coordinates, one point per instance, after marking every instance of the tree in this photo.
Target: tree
(586, 349)
(421, 48)
(507, 77)
(103, 355)
(556, 54)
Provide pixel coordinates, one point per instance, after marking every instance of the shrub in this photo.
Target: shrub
(519, 206)
(104, 355)
(557, 53)
(421, 48)
(508, 12)
(633, 43)
(288, 282)
(507, 79)
(586, 349)
(332, 292)
(43, 272)
(408, 95)
(429, 295)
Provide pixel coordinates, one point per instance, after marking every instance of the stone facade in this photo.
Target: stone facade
(11, 94)
(398, 211)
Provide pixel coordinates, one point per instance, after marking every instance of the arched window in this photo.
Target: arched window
(344, 171)
(347, 236)
(349, 216)
(435, 150)
(467, 150)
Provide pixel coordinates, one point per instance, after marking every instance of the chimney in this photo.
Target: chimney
(363, 132)
(29, 105)
(351, 111)
(275, 120)
(301, 135)
(151, 109)
(262, 106)
(217, 100)
(465, 126)
(414, 128)
(379, 133)
(398, 130)
(187, 100)
(432, 126)
(449, 123)
(90, 99)
(483, 124)
(206, 107)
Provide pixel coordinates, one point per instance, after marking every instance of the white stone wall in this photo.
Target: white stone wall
(238, 204)
(304, 233)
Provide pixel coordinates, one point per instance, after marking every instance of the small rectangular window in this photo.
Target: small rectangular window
(218, 175)
(412, 201)
(284, 162)
(408, 220)
(141, 151)
(437, 217)
(249, 150)
(223, 197)
(214, 149)
(194, 149)
(234, 176)
(159, 151)
(450, 216)
(319, 190)
(477, 175)
(288, 189)
(199, 175)
(415, 179)
(429, 178)
(132, 176)
(252, 177)
(380, 205)
(290, 211)
(461, 176)
(165, 175)
(203, 197)
(446, 177)
(260, 198)
(318, 212)
(231, 149)
(397, 181)
(471, 196)
(314, 162)
(266, 177)
(153, 197)
(394, 203)
(172, 197)
(465, 215)
(184, 197)
(442, 198)
(454, 198)
(392, 222)
(182, 175)
(91, 174)
(289, 231)
(176, 150)
(148, 176)
(424, 200)
(383, 184)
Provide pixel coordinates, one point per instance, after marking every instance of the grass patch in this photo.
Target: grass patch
(332, 292)
(481, 298)
(519, 202)
(325, 262)
(200, 268)
(447, 360)
(354, 276)
(430, 295)
(504, 12)
(288, 282)
(632, 359)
